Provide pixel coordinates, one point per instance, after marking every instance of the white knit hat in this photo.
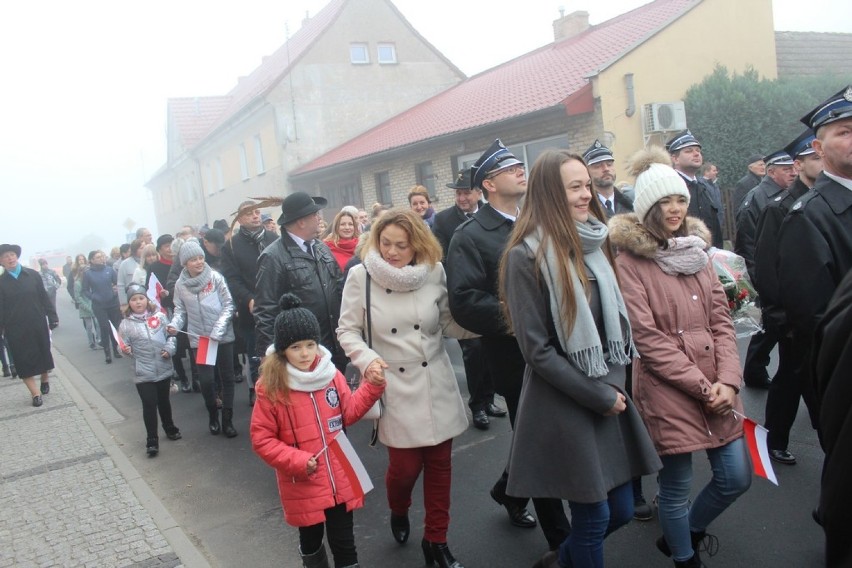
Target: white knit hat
(655, 179)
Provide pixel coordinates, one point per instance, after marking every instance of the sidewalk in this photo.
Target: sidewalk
(68, 495)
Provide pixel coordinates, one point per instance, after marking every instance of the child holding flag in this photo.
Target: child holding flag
(142, 336)
(303, 405)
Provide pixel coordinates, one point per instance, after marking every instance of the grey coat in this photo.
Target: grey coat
(208, 313)
(147, 339)
(564, 447)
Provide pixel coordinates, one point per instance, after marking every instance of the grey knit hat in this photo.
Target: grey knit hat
(294, 323)
(189, 249)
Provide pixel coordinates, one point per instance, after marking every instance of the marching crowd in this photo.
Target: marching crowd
(595, 313)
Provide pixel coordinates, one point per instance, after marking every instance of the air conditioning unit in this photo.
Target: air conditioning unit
(665, 117)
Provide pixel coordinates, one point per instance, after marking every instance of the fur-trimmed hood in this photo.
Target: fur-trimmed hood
(627, 233)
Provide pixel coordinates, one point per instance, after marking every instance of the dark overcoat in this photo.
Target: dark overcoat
(747, 215)
(239, 267)
(25, 311)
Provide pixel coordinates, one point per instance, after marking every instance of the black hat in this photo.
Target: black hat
(801, 146)
(682, 140)
(496, 157)
(294, 323)
(298, 205)
(779, 158)
(462, 180)
(597, 152)
(164, 240)
(221, 224)
(215, 236)
(837, 107)
(134, 288)
(4, 248)
(754, 158)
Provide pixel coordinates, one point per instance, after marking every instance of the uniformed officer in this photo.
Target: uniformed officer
(601, 165)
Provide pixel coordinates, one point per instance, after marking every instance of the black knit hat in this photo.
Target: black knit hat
(294, 323)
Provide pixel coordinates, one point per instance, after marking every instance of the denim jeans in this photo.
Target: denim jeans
(731, 478)
(591, 523)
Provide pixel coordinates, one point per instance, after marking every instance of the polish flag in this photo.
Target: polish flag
(758, 450)
(352, 466)
(117, 337)
(207, 349)
(154, 289)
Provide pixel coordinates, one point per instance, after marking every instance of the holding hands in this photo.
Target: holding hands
(375, 373)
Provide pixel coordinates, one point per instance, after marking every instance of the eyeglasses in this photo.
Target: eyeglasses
(510, 170)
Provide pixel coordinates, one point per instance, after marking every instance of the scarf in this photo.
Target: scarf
(255, 237)
(317, 378)
(685, 255)
(343, 246)
(403, 279)
(15, 272)
(196, 284)
(583, 346)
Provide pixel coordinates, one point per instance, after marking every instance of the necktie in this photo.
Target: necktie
(309, 248)
(469, 215)
(608, 206)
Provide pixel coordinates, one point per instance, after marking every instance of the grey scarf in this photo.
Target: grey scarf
(583, 346)
(197, 283)
(403, 279)
(685, 255)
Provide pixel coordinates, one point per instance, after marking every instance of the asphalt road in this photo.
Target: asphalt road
(225, 498)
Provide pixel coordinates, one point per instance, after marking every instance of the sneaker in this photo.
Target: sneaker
(152, 447)
(642, 511)
(37, 401)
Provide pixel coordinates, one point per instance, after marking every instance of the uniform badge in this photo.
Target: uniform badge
(332, 398)
(745, 203)
(847, 94)
(797, 206)
(154, 322)
(779, 198)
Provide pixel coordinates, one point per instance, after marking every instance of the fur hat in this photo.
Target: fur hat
(189, 249)
(655, 179)
(294, 323)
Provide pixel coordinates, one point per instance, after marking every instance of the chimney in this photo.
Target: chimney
(571, 25)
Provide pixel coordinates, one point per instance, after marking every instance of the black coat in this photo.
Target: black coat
(815, 253)
(755, 202)
(285, 267)
(445, 224)
(702, 204)
(832, 369)
(24, 305)
(743, 186)
(239, 267)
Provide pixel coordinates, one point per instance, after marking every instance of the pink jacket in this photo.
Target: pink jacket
(683, 332)
(285, 436)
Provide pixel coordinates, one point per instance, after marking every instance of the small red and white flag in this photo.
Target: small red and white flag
(154, 290)
(207, 350)
(117, 337)
(352, 466)
(758, 450)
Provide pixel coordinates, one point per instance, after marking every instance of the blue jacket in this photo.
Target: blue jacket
(98, 286)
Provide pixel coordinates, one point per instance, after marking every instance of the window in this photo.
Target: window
(386, 53)
(359, 53)
(208, 179)
(528, 152)
(243, 162)
(258, 154)
(220, 177)
(426, 177)
(383, 188)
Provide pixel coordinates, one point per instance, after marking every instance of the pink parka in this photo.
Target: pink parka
(686, 342)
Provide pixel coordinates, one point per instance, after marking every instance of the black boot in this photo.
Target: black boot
(694, 562)
(107, 355)
(152, 447)
(400, 528)
(318, 559)
(115, 352)
(172, 432)
(214, 425)
(252, 396)
(185, 386)
(701, 542)
(6, 372)
(227, 422)
(439, 552)
(13, 371)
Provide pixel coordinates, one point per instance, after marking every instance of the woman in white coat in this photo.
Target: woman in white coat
(423, 410)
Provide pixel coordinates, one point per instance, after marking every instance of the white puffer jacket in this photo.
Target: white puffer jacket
(147, 339)
(208, 313)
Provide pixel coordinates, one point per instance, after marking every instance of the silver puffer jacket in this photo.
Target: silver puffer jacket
(147, 339)
(209, 312)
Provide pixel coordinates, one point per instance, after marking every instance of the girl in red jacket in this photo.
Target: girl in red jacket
(302, 402)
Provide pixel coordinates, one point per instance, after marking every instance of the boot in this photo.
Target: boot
(152, 447)
(400, 528)
(252, 396)
(701, 542)
(13, 371)
(439, 552)
(6, 372)
(172, 432)
(185, 386)
(227, 422)
(108, 357)
(318, 559)
(694, 562)
(214, 426)
(115, 352)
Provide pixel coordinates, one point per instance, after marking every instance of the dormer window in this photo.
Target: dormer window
(386, 53)
(359, 53)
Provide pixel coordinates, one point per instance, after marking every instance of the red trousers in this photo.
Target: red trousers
(405, 465)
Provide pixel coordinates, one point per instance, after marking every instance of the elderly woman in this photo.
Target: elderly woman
(343, 237)
(687, 381)
(397, 300)
(26, 313)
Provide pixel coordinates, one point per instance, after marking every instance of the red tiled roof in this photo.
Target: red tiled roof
(192, 117)
(536, 81)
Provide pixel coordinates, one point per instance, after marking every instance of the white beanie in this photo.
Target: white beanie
(655, 179)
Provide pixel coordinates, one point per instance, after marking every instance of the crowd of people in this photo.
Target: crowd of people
(596, 314)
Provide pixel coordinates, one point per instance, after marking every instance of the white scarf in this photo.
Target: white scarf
(387, 276)
(311, 381)
(685, 255)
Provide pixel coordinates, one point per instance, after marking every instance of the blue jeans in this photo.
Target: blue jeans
(591, 523)
(731, 478)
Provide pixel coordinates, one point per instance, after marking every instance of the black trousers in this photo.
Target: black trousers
(479, 383)
(105, 316)
(155, 398)
(757, 357)
(207, 377)
(341, 536)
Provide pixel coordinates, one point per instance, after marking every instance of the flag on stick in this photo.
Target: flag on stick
(352, 466)
(154, 289)
(207, 350)
(117, 337)
(758, 450)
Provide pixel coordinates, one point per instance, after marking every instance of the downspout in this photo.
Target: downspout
(631, 95)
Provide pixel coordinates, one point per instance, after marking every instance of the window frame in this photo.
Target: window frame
(365, 47)
(386, 45)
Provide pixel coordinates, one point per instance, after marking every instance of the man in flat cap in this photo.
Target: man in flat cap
(473, 262)
(782, 402)
(755, 173)
(601, 165)
(687, 159)
(299, 263)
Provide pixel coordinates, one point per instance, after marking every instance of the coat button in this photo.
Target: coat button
(423, 364)
(393, 330)
(694, 297)
(416, 327)
(388, 290)
(706, 348)
(402, 369)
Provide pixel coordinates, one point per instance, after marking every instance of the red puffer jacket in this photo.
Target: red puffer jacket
(286, 436)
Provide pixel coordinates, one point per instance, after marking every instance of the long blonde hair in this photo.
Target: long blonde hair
(275, 379)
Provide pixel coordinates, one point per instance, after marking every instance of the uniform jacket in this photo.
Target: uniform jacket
(239, 267)
(755, 202)
(147, 338)
(285, 436)
(423, 406)
(703, 205)
(564, 447)
(285, 267)
(207, 313)
(816, 252)
(683, 331)
(743, 186)
(446, 223)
